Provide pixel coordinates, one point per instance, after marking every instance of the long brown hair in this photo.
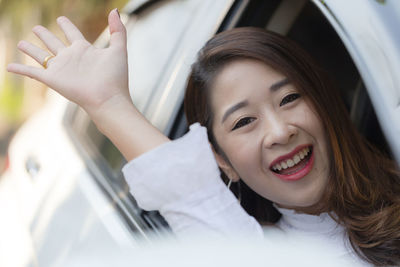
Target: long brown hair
(363, 193)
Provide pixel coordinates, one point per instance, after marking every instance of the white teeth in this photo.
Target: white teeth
(284, 165)
(290, 163)
(293, 161)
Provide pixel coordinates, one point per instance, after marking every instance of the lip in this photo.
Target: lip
(289, 155)
(299, 174)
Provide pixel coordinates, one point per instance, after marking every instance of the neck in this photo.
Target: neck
(315, 209)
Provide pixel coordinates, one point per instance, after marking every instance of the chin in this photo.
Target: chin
(306, 205)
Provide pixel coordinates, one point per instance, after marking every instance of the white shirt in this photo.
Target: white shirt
(182, 181)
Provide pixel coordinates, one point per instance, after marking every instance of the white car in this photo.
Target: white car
(63, 199)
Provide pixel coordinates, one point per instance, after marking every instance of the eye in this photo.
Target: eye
(243, 122)
(289, 98)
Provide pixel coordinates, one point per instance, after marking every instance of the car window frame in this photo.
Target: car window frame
(367, 50)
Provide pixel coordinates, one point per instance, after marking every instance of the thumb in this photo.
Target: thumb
(117, 29)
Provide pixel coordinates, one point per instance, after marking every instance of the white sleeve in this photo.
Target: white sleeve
(181, 179)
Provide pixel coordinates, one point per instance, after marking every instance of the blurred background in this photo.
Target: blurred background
(21, 97)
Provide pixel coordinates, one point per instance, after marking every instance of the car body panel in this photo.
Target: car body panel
(59, 211)
(373, 40)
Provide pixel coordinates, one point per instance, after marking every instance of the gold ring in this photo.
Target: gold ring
(46, 60)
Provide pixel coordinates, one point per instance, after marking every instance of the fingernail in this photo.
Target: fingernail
(118, 12)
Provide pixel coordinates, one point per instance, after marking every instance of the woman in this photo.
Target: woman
(356, 185)
(273, 122)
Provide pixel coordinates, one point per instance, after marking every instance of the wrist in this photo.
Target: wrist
(111, 109)
(126, 127)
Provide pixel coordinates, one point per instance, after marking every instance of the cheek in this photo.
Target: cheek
(308, 120)
(244, 156)
(312, 120)
(317, 128)
(314, 127)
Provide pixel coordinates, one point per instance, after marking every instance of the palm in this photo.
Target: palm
(80, 72)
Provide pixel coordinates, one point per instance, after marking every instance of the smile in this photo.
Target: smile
(294, 165)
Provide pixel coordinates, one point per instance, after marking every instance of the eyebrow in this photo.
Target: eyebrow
(233, 109)
(274, 87)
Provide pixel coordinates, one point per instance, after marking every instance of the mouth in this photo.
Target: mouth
(295, 165)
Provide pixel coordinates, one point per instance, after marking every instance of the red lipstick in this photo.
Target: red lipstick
(297, 171)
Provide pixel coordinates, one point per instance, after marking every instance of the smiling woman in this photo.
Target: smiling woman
(280, 124)
(276, 127)
(277, 124)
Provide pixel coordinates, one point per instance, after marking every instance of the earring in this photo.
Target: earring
(239, 187)
(229, 183)
(240, 193)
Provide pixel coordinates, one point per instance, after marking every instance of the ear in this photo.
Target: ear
(226, 167)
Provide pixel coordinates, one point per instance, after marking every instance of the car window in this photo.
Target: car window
(160, 50)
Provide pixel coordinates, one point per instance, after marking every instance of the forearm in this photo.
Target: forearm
(126, 127)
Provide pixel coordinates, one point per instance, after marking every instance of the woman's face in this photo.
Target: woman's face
(271, 137)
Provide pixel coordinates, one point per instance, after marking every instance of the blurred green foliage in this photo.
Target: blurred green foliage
(20, 14)
(11, 99)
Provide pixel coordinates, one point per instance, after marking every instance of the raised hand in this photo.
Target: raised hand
(96, 79)
(92, 77)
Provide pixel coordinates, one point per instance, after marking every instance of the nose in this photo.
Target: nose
(278, 131)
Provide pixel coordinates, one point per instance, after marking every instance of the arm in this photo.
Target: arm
(131, 133)
(97, 80)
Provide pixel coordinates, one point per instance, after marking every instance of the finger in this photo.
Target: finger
(49, 39)
(33, 51)
(29, 71)
(117, 29)
(70, 30)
